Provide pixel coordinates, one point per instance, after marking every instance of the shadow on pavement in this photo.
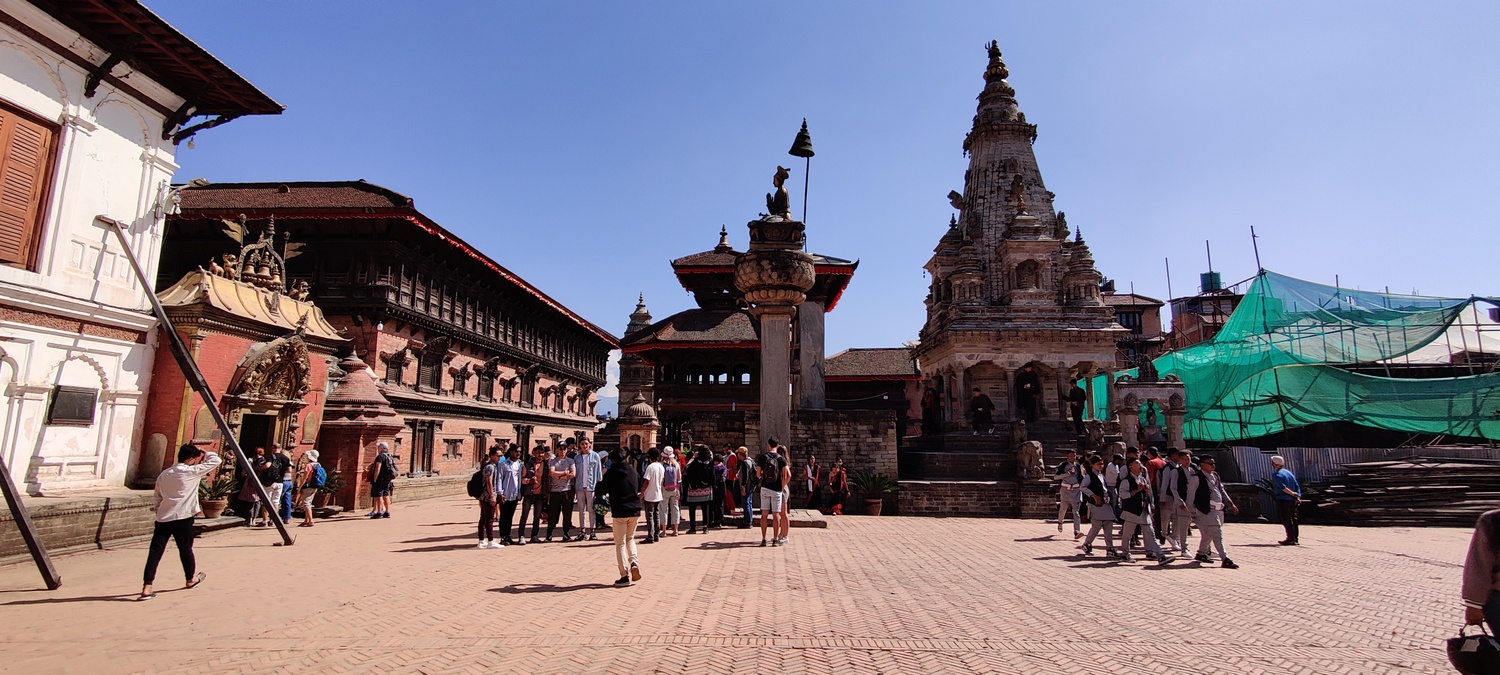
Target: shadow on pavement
(429, 540)
(717, 545)
(127, 597)
(1049, 537)
(433, 549)
(548, 588)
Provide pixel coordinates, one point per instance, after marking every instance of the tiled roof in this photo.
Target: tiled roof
(697, 326)
(160, 52)
(1115, 299)
(708, 259)
(876, 362)
(296, 195)
(346, 200)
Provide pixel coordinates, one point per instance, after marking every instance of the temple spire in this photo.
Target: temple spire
(998, 96)
(723, 246)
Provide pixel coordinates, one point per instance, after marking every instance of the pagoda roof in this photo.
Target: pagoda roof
(336, 200)
(879, 363)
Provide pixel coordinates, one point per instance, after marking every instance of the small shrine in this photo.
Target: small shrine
(265, 349)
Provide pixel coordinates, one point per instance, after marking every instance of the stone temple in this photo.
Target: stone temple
(1011, 285)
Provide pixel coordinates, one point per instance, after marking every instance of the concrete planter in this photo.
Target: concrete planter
(873, 506)
(213, 508)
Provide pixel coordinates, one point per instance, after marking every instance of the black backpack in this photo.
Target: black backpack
(476, 484)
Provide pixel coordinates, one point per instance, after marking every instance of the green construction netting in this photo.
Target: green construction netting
(1274, 366)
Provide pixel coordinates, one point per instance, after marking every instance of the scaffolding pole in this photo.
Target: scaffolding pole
(195, 379)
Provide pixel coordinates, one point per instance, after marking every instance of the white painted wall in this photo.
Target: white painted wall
(110, 162)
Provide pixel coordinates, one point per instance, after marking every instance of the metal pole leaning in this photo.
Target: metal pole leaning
(195, 377)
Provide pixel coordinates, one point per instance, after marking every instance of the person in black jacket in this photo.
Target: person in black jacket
(622, 485)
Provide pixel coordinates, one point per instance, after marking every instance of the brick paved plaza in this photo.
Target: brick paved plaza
(892, 595)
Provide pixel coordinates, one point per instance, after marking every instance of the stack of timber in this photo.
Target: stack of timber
(1412, 492)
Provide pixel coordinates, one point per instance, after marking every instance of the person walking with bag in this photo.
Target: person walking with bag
(671, 508)
(1069, 473)
(313, 477)
(176, 506)
(382, 477)
(651, 494)
(622, 485)
(509, 486)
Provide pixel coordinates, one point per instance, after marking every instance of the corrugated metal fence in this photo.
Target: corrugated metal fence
(1316, 464)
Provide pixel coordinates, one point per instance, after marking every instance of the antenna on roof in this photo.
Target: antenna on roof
(1169, 277)
(1210, 252)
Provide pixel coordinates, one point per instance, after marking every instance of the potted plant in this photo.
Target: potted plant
(874, 487)
(213, 494)
(330, 488)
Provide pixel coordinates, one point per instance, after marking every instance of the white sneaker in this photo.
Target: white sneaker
(484, 544)
(496, 544)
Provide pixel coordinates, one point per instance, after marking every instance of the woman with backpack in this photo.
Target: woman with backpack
(308, 483)
(671, 510)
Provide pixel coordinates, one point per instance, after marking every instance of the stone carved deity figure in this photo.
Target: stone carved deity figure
(778, 203)
(1029, 463)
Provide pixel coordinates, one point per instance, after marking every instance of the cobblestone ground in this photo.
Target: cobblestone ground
(883, 595)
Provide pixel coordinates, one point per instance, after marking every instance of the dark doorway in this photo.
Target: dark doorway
(257, 431)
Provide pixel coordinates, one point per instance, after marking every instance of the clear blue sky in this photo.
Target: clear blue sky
(585, 144)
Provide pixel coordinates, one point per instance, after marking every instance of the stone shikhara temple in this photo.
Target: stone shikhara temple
(1011, 285)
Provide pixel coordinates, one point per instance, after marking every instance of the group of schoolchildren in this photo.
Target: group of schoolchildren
(1150, 501)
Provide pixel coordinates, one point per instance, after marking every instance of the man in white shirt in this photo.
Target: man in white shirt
(176, 505)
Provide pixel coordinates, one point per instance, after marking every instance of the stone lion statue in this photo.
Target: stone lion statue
(1029, 463)
(1018, 434)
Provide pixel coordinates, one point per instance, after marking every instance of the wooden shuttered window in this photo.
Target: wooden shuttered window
(25, 166)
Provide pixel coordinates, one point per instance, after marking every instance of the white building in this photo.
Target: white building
(94, 97)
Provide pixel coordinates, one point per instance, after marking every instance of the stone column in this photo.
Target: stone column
(775, 357)
(1088, 403)
(1174, 430)
(810, 389)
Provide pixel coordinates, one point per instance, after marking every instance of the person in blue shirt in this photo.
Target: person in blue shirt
(1288, 497)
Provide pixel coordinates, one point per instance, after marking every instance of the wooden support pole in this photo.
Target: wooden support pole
(28, 532)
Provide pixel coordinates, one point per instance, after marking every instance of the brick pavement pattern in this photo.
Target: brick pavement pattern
(866, 595)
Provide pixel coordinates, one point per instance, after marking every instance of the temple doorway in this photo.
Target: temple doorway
(257, 431)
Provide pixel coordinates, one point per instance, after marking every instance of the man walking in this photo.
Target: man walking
(1173, 498)
(589, 464)
(622, 485)
(1288, 497)
(313, 477)
(774, 474)
(1209, 499)
(176, 506)
(1070, 494)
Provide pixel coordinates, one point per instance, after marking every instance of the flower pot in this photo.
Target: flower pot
(872, 506)
(213, 508)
